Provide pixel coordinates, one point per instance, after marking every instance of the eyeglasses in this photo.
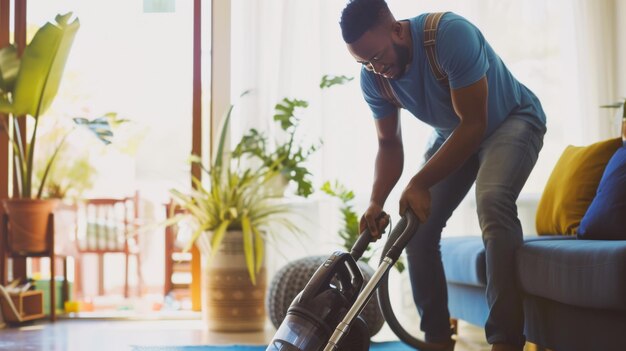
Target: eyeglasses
(369, 65)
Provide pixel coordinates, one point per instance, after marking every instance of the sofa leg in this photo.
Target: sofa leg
(454, 325)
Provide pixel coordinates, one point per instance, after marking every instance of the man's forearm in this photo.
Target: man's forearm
(463, 142)
(388, 169)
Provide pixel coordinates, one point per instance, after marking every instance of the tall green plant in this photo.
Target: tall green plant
(28, 86)
(235, 198)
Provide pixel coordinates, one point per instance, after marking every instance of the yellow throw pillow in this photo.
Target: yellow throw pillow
(572, 186)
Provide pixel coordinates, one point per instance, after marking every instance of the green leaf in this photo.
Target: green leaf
(329, 81)
(5, 104)
(285, 111)
(259, 250)
(615, 105)
(399, 265)
(218, 236)
(100, 127)
(248, 249)
(9, 67)
(43, 63)
(219, 151)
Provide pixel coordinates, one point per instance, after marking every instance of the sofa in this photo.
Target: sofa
(574, 290)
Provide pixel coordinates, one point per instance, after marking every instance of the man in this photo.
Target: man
(488, 130)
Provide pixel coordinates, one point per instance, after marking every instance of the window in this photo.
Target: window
(133, 58)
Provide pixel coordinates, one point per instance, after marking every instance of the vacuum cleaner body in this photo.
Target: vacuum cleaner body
(320, 307)
(325, 315)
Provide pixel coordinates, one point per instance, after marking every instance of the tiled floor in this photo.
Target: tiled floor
(96, 335)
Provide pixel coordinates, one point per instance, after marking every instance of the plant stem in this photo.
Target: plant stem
(49, 164)
(291, 137)
(31, 155)
(18, 150)
(19, 143)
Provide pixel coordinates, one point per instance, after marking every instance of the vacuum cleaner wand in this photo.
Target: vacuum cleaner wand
(407, 225)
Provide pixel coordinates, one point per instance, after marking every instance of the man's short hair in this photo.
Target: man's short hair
(359, 16)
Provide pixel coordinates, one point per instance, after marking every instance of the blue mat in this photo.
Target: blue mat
(379, 346)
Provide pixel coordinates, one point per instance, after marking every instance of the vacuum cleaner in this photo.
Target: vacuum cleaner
(324, 316)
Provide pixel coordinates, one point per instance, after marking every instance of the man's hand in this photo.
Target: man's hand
(375, 219)
(417, 199)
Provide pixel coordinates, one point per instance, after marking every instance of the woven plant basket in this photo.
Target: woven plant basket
(230, 302)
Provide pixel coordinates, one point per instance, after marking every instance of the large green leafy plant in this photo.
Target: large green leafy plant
(28, 86)
(234, 198)
(288, 157)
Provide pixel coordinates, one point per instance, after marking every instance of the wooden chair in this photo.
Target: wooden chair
(175, 262)
(110, 226)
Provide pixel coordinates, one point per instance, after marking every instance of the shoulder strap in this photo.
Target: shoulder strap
(430, 40)
(385, 89)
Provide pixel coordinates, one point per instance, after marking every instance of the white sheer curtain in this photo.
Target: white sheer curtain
(596, 33)
(563, 50)
(620, 41)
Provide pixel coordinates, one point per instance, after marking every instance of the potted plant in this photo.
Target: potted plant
(230, 215)
(28, 86)
(286, 158)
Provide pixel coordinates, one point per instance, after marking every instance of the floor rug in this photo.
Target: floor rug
(379, 346)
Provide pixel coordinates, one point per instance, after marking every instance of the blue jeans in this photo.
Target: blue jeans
(500, 168)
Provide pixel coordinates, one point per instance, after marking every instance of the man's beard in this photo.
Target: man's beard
(404, 57)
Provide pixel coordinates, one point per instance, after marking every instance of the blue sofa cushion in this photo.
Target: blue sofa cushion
(606, 216)
(464, 260)
(585, 273)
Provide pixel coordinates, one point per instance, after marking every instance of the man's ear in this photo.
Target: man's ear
(397, 32)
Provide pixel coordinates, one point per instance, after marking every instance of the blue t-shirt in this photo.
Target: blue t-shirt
(465, 56)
